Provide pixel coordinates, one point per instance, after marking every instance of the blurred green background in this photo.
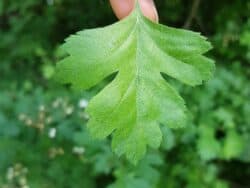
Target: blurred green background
(43, 139)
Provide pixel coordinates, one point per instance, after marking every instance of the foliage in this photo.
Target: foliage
(138, 99)
(43, 137)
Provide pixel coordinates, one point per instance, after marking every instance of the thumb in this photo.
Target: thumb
(122, 8)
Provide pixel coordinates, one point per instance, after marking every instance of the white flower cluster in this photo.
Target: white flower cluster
(16, 175)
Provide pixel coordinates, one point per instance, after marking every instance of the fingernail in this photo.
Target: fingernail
(149, 9)
(154, 9)
(156, 13)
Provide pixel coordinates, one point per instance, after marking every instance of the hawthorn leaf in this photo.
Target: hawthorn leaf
(132, 107)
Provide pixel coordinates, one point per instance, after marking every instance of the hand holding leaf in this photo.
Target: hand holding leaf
(138, 100)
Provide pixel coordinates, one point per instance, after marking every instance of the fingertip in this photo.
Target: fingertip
(149, 10)
(122, 8)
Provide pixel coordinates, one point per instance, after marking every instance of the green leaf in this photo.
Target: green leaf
(168, 141)
(245, 38)
(233, 145)
(208, 147)
(133, 105)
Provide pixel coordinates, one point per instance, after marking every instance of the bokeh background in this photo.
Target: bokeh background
(43, 139)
